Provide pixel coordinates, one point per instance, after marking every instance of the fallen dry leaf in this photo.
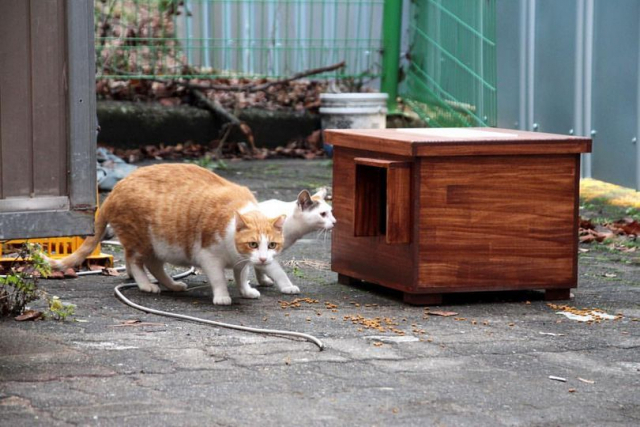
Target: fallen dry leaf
(110, 272)
(628, 226)
(29, 315)
(135, 322)
(442, 313)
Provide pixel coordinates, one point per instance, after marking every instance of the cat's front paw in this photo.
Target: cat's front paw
(265, 281)
(149, 287)
(250, 293)
(178, 287)
(226, 300)
(290, 290)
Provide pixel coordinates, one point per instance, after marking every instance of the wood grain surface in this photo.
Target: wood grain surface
(499, 221)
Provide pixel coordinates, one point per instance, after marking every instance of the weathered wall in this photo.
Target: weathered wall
(130, 124)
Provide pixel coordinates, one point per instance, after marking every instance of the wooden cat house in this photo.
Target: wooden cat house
(437, 211)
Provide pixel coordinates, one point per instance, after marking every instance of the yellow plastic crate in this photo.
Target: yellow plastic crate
(54, 247)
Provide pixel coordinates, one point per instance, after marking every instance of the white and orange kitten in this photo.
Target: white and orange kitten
(306, 214)
(186, 215)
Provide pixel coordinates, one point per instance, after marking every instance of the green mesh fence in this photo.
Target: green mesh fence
(451, 77)
(237, 38)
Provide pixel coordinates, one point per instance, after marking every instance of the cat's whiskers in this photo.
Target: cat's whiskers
(325, 235)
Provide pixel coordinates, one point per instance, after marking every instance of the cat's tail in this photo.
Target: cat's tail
(85, 249)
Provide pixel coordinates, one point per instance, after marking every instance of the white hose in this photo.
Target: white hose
(124, 299)
(121, 297)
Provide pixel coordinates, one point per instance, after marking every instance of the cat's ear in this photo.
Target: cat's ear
(304, 200)
(241, 223)
(321, 193)
(278, 223)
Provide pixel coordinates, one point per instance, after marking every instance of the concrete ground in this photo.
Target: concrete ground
(488, 365)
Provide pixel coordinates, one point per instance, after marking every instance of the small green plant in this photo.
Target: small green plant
(298, 272)
(633, 212)
(59, 310)
(208, 162)
(19, 286)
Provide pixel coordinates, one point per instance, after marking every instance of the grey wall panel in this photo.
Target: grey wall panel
(15, 92)
(509, 45)
(33, 111)
(574, 65)
(615, 91)
(555, 42)
(49, 108)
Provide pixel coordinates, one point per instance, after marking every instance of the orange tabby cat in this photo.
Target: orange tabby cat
(185, 215)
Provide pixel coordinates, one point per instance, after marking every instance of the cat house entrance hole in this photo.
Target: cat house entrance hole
(382, 196)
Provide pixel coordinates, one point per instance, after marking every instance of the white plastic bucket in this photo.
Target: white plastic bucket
(353, 111)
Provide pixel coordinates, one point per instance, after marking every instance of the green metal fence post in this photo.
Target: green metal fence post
(391, 30)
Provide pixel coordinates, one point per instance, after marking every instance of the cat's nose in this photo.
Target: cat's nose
(262, 260)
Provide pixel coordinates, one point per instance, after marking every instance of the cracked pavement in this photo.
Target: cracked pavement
(489, 365)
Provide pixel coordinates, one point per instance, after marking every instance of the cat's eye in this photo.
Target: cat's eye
(272, 245)
(253, 245)
(323, 214)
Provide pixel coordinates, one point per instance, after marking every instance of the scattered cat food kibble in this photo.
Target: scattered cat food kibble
(297, 303)
(586, 315)
(378, 323)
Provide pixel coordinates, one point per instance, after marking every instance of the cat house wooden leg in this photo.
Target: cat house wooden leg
(422, 299)
(347, 280)
(557, 294)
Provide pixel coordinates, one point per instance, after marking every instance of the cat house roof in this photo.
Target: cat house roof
(427, 142)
